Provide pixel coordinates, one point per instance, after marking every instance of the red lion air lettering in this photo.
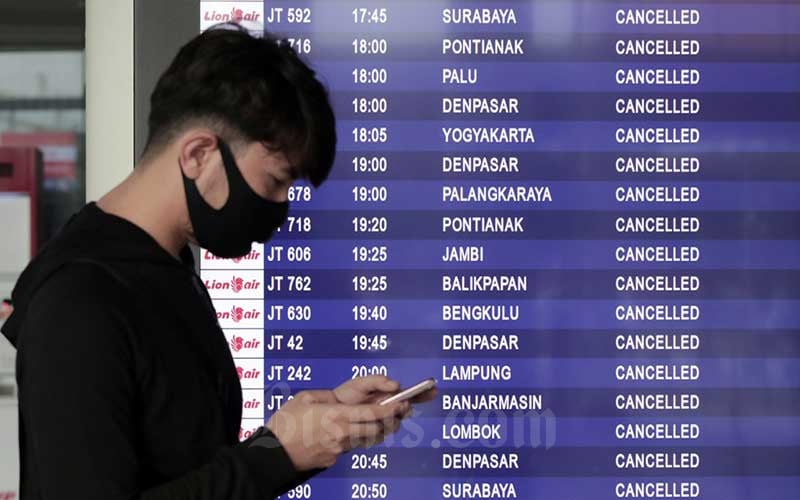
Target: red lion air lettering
(252, 373)
(253, 255)
(252, 404)
(236, 284)
(238, 343)
(235, 15)
(237, 314)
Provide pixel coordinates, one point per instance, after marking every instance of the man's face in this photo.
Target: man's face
(268, 173)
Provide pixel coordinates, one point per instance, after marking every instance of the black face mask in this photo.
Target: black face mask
(246, 217)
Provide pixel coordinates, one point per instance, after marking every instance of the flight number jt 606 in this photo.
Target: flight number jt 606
(280, 253)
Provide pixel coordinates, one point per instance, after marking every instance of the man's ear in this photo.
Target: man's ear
(197, 150)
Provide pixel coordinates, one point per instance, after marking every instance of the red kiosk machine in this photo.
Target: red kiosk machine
(21, 180)
(21, 232)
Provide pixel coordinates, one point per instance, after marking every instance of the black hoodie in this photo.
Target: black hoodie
(127, 388)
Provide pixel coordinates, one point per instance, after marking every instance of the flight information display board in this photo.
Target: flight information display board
(581, 217)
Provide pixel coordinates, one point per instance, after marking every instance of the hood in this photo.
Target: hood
(90, 234)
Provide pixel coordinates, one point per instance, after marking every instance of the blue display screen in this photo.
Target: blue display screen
(581, 217)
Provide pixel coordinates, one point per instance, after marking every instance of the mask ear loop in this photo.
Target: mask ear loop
(190, 185)
(229, 161)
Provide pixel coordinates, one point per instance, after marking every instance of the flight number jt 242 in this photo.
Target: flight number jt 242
(302, 373)
(290, 373)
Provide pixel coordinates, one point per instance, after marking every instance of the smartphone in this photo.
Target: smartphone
(414, 390)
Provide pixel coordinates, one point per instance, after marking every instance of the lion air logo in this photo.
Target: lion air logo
(240, 372)
(237, 343)
(235, 15)
(252, 260)
(237, 284)
(236, 314)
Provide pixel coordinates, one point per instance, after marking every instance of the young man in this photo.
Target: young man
(127, 388)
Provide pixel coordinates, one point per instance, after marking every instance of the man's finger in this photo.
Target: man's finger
(391, 425)
(360, 390)
(373, 412)
(372, 383)
(317, 396)
(365, 430)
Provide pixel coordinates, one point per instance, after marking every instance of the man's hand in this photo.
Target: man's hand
(373, 389)
(314, 428)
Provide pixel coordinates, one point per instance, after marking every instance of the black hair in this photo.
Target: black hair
(246, 88)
